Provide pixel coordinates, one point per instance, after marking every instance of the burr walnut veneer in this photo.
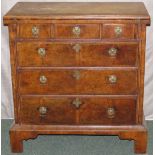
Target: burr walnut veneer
(78, 68)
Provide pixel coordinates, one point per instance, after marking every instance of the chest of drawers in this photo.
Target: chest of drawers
(78, 68)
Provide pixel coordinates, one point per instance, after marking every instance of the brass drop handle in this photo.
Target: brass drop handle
(42, 110)
(118, 30)
(77, 48)
(35, 31)
(43, 79)
(112, 79)
(111, 112)
(77, 102)
(42, 52)
(76, 31)
(112, 52)
(76, 74)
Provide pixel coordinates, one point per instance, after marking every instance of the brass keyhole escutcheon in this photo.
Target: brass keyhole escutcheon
(42, 52)
(76, 31)
(118, 30)
(76, 74)
(77, 102)
(77, 48)
(35, 31)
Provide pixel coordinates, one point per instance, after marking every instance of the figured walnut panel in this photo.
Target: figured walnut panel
(84, 10)
(77, 82)
(87, 54)
(56, 54)
(87, 31)
(91, 111)
(44, 31)
(127, 31)
(59, 111)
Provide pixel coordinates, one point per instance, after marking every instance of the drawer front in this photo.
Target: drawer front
(77, 54)
(67, 81)
(109, 54)
(47, 110)
(77, 31)
(46, 54)
(107, 111)
(119, 31)
(35, 31)
(78, 110)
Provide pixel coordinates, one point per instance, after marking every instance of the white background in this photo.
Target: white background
(7, 101)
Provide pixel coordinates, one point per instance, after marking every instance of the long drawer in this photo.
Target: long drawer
(78, 110)
(77, 54)
(79, 81)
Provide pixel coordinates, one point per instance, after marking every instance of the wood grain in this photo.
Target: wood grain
(90, 82)
(13, 61)
(84, 10)
(86, 56)
(87, 31)
(25, 31)
(92, 111)
(128, 31)
(18, 133)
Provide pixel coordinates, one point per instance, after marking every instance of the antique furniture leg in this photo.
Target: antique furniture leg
(17, 136)
(139, 136)
(140, 144)
(19, 133)
(16, 141)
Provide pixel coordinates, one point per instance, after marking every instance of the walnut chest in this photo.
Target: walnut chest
(78, 68)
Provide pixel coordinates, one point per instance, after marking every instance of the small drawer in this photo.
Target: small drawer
(119, 31)
(46, 110)
(70, 81)
(109, 54)
(107, 111)
(77, 31)
(77, 54)
(46, 54)
(35, 31)
(78, 110)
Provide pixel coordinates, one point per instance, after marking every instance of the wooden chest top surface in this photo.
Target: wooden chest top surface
(93, 10)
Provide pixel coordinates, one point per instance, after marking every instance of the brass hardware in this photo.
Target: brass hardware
(43, 79)
(77, 48)
(112, 52)
(112, 79)
(118, 30)
(77, 102)
(42, 110)
(111, 112)
(42, 52)
(35, 31)
(76, 75)
(76, 31)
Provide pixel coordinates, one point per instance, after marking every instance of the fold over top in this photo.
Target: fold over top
(83, 10)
